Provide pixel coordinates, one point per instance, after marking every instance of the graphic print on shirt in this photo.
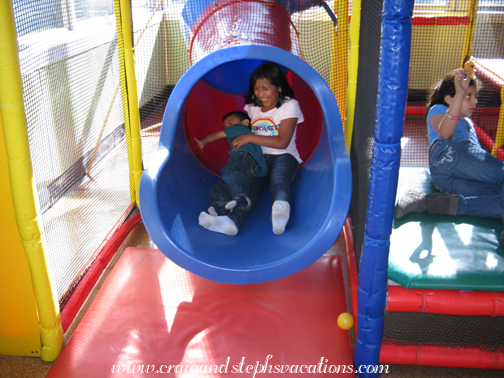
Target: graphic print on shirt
(264, 126)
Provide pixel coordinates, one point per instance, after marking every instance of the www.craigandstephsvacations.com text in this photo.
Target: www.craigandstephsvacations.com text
(243, 367)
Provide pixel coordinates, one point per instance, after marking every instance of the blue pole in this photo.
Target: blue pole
(390, 112)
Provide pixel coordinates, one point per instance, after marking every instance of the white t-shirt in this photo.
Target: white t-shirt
(268, 123)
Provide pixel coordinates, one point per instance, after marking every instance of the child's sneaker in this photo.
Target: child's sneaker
(240, 203)
(218, 210)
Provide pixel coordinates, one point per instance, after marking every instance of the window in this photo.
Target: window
(489, 3)
(86, 9)
(432, 2)
(37, 15)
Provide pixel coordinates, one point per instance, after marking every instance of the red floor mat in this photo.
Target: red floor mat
(152, 316)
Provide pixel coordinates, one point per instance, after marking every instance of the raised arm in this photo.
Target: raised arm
(443, 124)
(280, 141)
(210, 138)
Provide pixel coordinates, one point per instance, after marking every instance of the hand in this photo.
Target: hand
(241, 140)
(461, 80)
(199, 144)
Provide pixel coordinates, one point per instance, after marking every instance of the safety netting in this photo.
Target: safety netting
(443, 340)
(69, 63)
(179, 33)
(76, 124)
(449, 331)
(69, 55)
(445, 34)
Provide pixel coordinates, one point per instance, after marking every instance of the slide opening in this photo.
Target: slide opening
(221, 91)
(174, 189)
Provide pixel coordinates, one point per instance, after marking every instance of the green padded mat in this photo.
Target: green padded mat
(434, 251)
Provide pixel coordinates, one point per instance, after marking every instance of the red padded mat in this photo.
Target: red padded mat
(151, 315)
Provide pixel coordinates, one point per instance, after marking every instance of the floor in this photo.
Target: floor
(29, 367)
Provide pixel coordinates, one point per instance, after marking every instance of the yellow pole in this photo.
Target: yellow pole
(22, 185)
(353, 67)
(129, 93)
(339, 59)
(472, 12)
(19, 327)
(499, 138)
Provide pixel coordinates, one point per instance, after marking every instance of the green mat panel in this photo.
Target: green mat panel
(433, 251)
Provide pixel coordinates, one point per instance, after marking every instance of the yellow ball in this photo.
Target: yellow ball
(345, 321)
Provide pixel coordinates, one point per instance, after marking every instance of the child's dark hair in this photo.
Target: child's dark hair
(274, 74)
(446, 87)
(242, 116)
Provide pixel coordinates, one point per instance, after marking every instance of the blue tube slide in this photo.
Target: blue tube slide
(389, 121)
(174, 188)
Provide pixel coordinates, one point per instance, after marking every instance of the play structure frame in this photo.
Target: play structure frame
(371, 295)
(42, 328)
(374, 293)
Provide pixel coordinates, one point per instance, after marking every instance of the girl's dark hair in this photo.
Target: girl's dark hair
(446, 87)
(274, 74)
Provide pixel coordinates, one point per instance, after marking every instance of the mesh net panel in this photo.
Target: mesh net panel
(169, 36)
(75, 127)
(488, 49)
(365, 108)
(161, 59)
(438, 35)
(476, 332)
(437, 49)
(69, 63)
(439, 32)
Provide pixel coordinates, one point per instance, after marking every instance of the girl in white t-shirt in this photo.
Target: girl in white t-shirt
(275, 114)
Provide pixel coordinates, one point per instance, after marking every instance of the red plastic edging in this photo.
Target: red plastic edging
(97, 267)
(439, 20)
(439, 355)
(447, 302)
(353, 276)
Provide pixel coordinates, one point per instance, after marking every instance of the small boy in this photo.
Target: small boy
(243, 164)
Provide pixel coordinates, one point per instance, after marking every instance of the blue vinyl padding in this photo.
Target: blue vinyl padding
(391, 101)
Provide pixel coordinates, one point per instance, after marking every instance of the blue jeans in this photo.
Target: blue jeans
(237, 172)
(281, 172)
(463, 168)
